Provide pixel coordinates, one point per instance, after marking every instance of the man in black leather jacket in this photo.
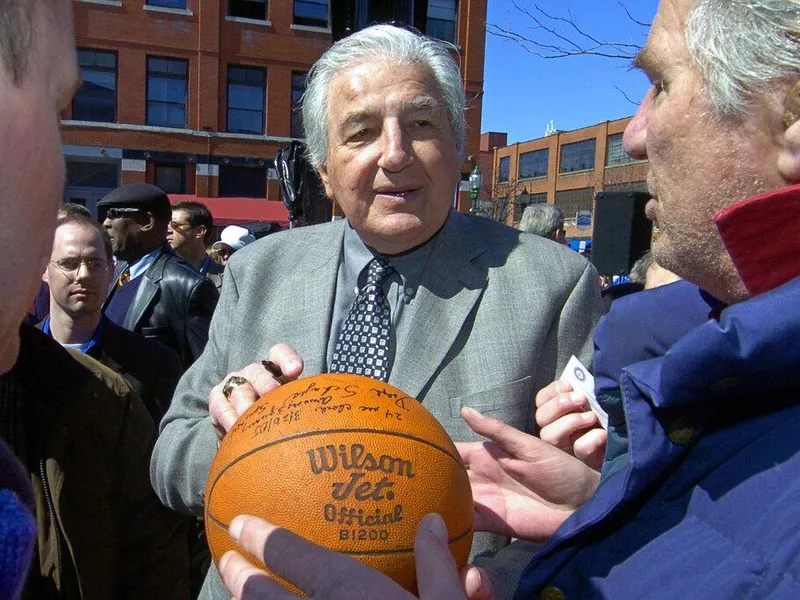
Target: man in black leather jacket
(154, 293)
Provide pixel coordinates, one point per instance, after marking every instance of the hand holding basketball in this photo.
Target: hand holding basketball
(436, 569)
(347, 462)
(225, 410)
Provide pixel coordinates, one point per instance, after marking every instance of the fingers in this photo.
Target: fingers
(289, 361)
(511, 440)
(315, 570)
(476, 583)
(225, 411)
(437, 574)
(590, 448)
(560, 405)
(565, 430)
(547, 393)
(246, 582)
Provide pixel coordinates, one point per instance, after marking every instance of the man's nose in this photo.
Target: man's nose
(396, 151)
(83, 271)
(634, 140)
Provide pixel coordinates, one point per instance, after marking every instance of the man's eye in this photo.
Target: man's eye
(69, 264)
(658, 87)
(360, 134)
(422, 123)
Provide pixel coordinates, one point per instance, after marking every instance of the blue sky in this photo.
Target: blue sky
(523, 92)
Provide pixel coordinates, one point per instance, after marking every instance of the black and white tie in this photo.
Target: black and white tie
(363, 344)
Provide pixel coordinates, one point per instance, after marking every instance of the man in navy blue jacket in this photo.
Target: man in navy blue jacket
(707, 504)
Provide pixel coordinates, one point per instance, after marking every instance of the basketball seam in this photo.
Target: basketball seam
(326, 431)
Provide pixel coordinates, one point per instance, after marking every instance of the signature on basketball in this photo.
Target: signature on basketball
(399, 400)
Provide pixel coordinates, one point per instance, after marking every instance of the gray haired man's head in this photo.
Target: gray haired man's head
(544, 220)
(382, 42)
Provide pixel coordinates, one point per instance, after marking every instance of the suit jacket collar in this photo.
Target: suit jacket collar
(451, 286)
(148, 288)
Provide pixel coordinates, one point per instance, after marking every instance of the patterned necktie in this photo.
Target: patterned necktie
(363, 344)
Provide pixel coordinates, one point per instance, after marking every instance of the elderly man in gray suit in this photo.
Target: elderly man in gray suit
(476, 313)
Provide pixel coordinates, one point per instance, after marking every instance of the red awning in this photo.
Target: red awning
(234, 211)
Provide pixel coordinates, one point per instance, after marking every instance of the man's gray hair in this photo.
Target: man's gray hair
(742, 48)
(542, 219)
(640, 267)
(16, 32)
(381, 42)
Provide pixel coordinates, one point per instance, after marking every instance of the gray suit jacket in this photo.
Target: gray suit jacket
(496, 317)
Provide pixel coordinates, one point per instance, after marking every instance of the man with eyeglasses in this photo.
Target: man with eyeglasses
(189, 234)
(154, 292)
(78, 275)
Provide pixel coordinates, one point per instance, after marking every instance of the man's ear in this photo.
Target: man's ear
(201, 232)
(789, 155)
(148, 222)
(45, 276)
(323, 173)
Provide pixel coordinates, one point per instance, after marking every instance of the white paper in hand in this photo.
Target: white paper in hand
(581, 380)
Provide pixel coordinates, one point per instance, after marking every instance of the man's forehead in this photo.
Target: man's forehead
(666, 34)
(70, 231)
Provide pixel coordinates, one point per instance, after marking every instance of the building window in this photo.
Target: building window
(97, 98)
(245, 182)
(572, 201)
(298, 89)
(578, 156)
(166, 91)
(313, 13)
(441, 22)
(248, 9)
(246, 87)
(505, 164)
(92, 174)
(615, 153)
(171, 178)
(167, 3)
(533, 164)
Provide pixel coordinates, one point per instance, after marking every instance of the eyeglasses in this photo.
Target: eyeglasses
(123, 211)
(175, 226)
(71, 265)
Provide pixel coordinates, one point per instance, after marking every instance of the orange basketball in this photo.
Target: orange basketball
(348, 462)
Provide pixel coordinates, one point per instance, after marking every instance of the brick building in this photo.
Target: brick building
(566, 168)
(198, 96)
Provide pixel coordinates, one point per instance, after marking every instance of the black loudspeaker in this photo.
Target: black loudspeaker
(622, 231)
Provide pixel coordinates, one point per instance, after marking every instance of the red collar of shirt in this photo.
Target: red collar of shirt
(762, 235)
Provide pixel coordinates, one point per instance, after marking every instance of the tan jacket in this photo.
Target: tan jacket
(101, 531)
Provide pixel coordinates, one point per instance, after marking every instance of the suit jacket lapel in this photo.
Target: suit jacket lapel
(311, 292)
(145, 293)
(450, 287)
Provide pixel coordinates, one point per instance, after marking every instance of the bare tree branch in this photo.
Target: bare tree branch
(628, 98)
(552, 36)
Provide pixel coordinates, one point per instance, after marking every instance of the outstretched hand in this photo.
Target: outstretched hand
(521, 486)
(328, 575)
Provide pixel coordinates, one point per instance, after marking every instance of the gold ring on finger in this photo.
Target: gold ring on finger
(233, 382)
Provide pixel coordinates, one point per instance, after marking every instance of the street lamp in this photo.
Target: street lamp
(474, 187)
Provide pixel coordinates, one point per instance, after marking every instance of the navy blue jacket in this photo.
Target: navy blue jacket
(708, 503)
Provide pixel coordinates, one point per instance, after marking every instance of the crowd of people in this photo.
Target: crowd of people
(141, 351)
